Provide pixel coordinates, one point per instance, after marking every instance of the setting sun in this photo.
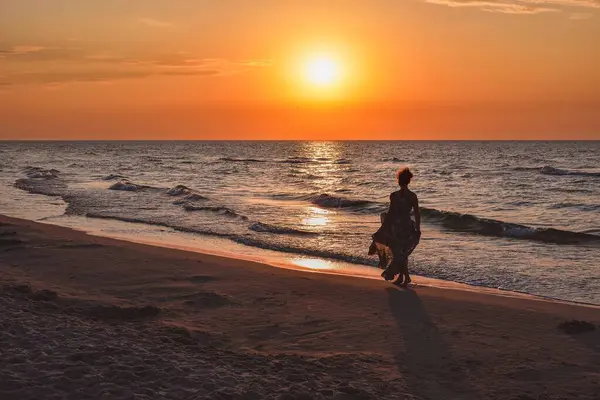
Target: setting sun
(322, 71)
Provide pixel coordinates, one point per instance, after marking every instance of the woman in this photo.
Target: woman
(398, 231)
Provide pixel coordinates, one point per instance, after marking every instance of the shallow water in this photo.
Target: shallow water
(522, 216)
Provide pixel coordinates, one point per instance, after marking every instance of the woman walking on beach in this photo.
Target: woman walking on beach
(398, 231)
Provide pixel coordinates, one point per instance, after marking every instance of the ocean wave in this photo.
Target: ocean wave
(113, 177)
(369, 261)
(327, 201)
(190, 198)
(297, 160)
(245, 240)
(459, 222)
(215, 209)
(267, 228)
(526, 168)
(233, 159)
(179, 190)
(153, 159)
(35, 187)
(155, 223)
(572, 190)
(490, 227)
(126, 185)
(41, 173)
(580, 206)
(548, 170)
(41, 181)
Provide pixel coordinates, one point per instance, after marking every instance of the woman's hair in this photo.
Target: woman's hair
(404, 176)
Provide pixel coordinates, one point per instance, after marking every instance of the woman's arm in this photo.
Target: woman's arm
(417, 213)
(388, 216)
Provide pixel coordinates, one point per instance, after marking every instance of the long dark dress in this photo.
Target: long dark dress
(398, 234)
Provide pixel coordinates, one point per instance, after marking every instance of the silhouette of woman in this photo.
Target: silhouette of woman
(398, 231)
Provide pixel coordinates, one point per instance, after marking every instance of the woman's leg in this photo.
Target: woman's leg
(401, 265)
(395, 267)
(407, 279)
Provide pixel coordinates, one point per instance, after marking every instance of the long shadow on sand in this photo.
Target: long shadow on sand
(426, 362)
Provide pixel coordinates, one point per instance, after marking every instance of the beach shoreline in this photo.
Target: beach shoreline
(269, 330)
(226, 249)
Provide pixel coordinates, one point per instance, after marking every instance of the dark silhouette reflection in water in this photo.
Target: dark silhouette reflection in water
(425, 361)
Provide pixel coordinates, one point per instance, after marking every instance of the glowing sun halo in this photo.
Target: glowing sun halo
(322, 71)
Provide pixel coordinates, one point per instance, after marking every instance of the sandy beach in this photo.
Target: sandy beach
(90, 317)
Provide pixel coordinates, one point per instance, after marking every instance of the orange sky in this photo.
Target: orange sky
(204, 69)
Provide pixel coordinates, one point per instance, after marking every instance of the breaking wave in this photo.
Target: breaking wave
(41, 181)
(190, 198)
(179, 190)
(490, 227)
(215, 209)
(526, 168)
(41, 173)
(325, 200)
(548, 170)
(113, 177)
(126, 185)
(328, 201)
(267, 228)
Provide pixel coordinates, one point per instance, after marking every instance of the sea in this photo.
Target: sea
(516, 216)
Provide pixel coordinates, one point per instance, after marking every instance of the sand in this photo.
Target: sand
(85, 317)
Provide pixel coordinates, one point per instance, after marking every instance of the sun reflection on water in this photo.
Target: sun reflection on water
(317, 210)
(313, 263)
(325, 164)
(321, 150)
(316, 217)
(326, 169)
(315, 221)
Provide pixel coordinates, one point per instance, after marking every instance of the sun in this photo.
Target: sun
(321, 73)
(322, 70)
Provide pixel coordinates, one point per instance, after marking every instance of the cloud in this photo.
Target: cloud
(183, 60)
(54, 77)
(495, 6)
(25, 53)
(30, 65)
(154, 22)
(519, 6)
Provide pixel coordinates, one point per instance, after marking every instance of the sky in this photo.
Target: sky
(208, 69)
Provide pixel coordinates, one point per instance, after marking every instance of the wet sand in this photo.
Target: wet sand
(91, 317)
